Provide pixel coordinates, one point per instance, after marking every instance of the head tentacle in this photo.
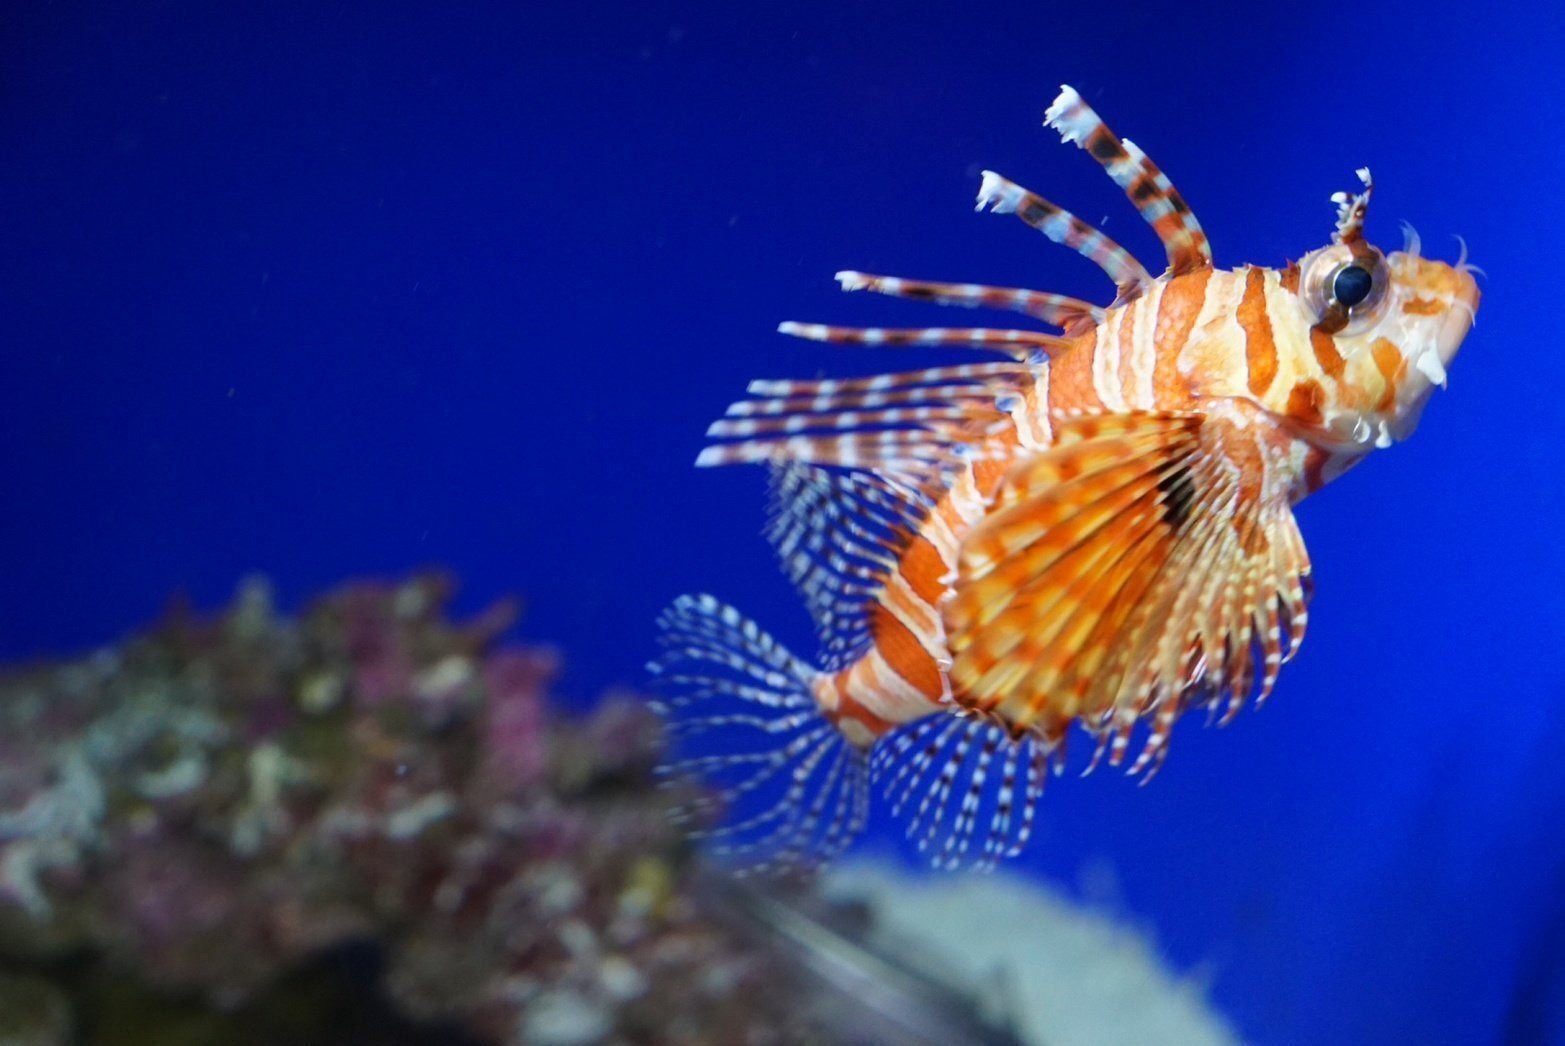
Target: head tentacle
(1351, 208)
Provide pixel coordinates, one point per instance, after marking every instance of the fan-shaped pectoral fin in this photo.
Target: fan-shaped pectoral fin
(1134, 567)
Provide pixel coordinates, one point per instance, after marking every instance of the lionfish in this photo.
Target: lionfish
(1092, 526)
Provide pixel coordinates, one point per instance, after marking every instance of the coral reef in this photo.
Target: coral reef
(231, 830)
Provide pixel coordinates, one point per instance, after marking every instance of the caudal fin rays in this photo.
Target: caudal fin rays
(782, 787)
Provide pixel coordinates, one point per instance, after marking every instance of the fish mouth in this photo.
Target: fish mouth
(1433, 362)
(1458, 319)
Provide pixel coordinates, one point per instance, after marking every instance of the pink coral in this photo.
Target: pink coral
(214, 804)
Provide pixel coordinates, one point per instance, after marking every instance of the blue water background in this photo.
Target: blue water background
(327, 290)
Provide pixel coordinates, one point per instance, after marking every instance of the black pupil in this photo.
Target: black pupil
(1351, 286)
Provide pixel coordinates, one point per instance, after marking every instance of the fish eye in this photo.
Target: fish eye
(1351, 285)
(1344, 287)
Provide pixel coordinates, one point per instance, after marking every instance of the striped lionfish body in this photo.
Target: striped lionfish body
(1091, 525)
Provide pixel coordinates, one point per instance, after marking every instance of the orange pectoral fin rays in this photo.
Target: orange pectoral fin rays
(1130, 565)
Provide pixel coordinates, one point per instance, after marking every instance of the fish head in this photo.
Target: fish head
(1394, 320)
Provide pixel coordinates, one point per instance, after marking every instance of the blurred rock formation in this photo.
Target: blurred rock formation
(363, 825)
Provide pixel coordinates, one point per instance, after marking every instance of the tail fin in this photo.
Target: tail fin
(741, 713)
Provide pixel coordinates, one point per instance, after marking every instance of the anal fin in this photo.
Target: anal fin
(965, 791)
